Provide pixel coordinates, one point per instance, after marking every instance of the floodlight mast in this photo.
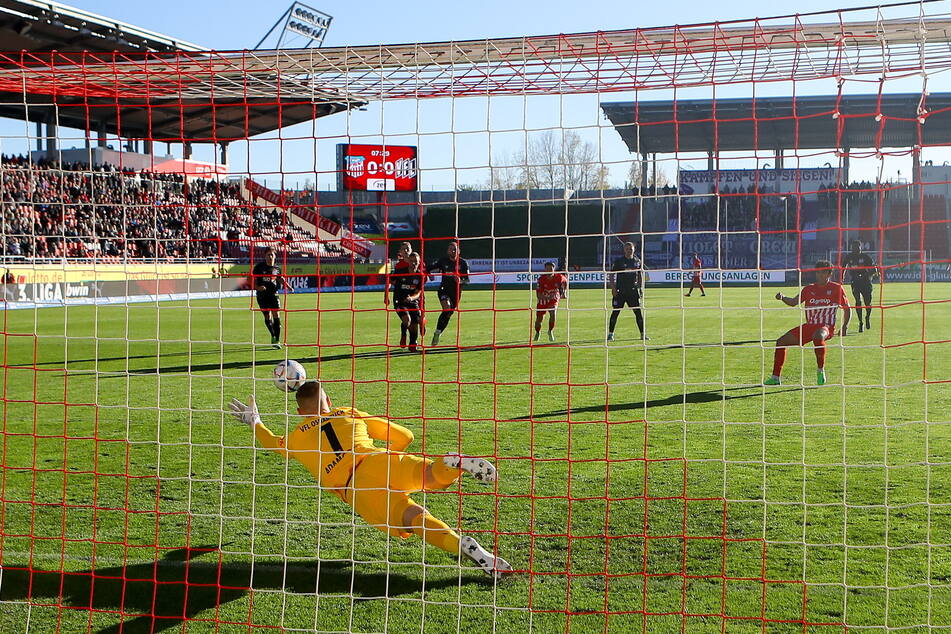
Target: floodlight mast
(301, 20)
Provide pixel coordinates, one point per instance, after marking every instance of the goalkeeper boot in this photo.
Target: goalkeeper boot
(868, 323)
(489, 563)
(402, 341)
(551, 335)
(610, 336)
(536, 336)
(436, 338)
(479, 468)
(821, 377)
(773, 380)
(861, 326)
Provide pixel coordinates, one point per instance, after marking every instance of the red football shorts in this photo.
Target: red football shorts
(547, 305)
(806, 332)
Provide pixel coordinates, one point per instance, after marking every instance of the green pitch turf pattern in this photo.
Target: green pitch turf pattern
(799, 504)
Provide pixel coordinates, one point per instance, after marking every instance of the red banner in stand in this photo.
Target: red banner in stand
(356, 243)
(349, 240)
(377, 168)
(261, 191)
(328, 225)
(187, 167)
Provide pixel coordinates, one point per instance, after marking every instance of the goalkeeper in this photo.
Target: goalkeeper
(336, 446)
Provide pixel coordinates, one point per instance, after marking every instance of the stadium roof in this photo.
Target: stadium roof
(169, 119)
(238, 94)
(85, 41)
(782, 123)
(31, 25)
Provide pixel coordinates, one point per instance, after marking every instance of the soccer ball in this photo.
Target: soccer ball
(289, 375)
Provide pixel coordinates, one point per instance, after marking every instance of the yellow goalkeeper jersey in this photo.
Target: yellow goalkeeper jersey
(332, 446)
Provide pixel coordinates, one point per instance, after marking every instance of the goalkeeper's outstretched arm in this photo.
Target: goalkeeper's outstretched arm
(268, 440)
(248, 414)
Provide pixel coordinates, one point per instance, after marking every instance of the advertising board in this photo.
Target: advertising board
(668, 276)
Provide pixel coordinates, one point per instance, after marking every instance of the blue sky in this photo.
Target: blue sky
(457, 137)
(238, 24)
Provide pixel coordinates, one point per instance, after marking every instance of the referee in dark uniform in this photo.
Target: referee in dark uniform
(268, 280)
(626, 289)
(861, 269)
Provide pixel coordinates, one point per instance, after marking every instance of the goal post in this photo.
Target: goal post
(678, 178)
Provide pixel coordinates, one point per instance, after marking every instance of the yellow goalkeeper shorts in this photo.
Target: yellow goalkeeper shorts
(381, 486)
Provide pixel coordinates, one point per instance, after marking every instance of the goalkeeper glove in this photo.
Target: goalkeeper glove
(247, 414)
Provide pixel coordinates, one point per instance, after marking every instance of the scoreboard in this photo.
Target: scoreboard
(377, 168)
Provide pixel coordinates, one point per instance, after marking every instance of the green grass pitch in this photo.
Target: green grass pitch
(653, 488)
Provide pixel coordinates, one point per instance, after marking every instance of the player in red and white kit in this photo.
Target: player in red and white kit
(695, 281)
(822, 300)
(550, 289)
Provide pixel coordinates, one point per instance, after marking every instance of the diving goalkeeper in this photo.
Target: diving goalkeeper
(336, 446)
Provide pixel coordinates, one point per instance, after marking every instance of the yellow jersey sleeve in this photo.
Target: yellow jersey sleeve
(268, 440)
(396, 437)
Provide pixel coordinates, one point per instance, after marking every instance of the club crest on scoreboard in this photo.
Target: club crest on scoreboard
(356, 166)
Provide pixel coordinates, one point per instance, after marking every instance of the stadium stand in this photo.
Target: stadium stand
(73, 211)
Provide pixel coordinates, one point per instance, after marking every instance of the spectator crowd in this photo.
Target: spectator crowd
(59, 211)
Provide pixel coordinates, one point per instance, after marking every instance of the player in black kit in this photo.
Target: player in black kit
(407, 292)
(626, 290)
(455, 273)
(267, 281)
(861, 269)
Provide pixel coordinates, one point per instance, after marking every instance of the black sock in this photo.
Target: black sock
(403, 329)
(277, 327)
(444, 318)
(413, 328)
(270, 326)
(613, 322)
(639, 318)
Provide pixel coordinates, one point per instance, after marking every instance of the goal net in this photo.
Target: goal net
(604, 224)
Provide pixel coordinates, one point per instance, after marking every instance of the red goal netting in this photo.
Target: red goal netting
(626, 206)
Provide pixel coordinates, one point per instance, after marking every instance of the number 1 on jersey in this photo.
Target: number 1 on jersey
(332, 440)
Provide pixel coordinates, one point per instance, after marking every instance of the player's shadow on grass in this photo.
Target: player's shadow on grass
(377, 353)
(149, 355)
(701, 396)
(324, 358)
(673, 346)
(167, 592)
(381, 353)
(716, 344)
